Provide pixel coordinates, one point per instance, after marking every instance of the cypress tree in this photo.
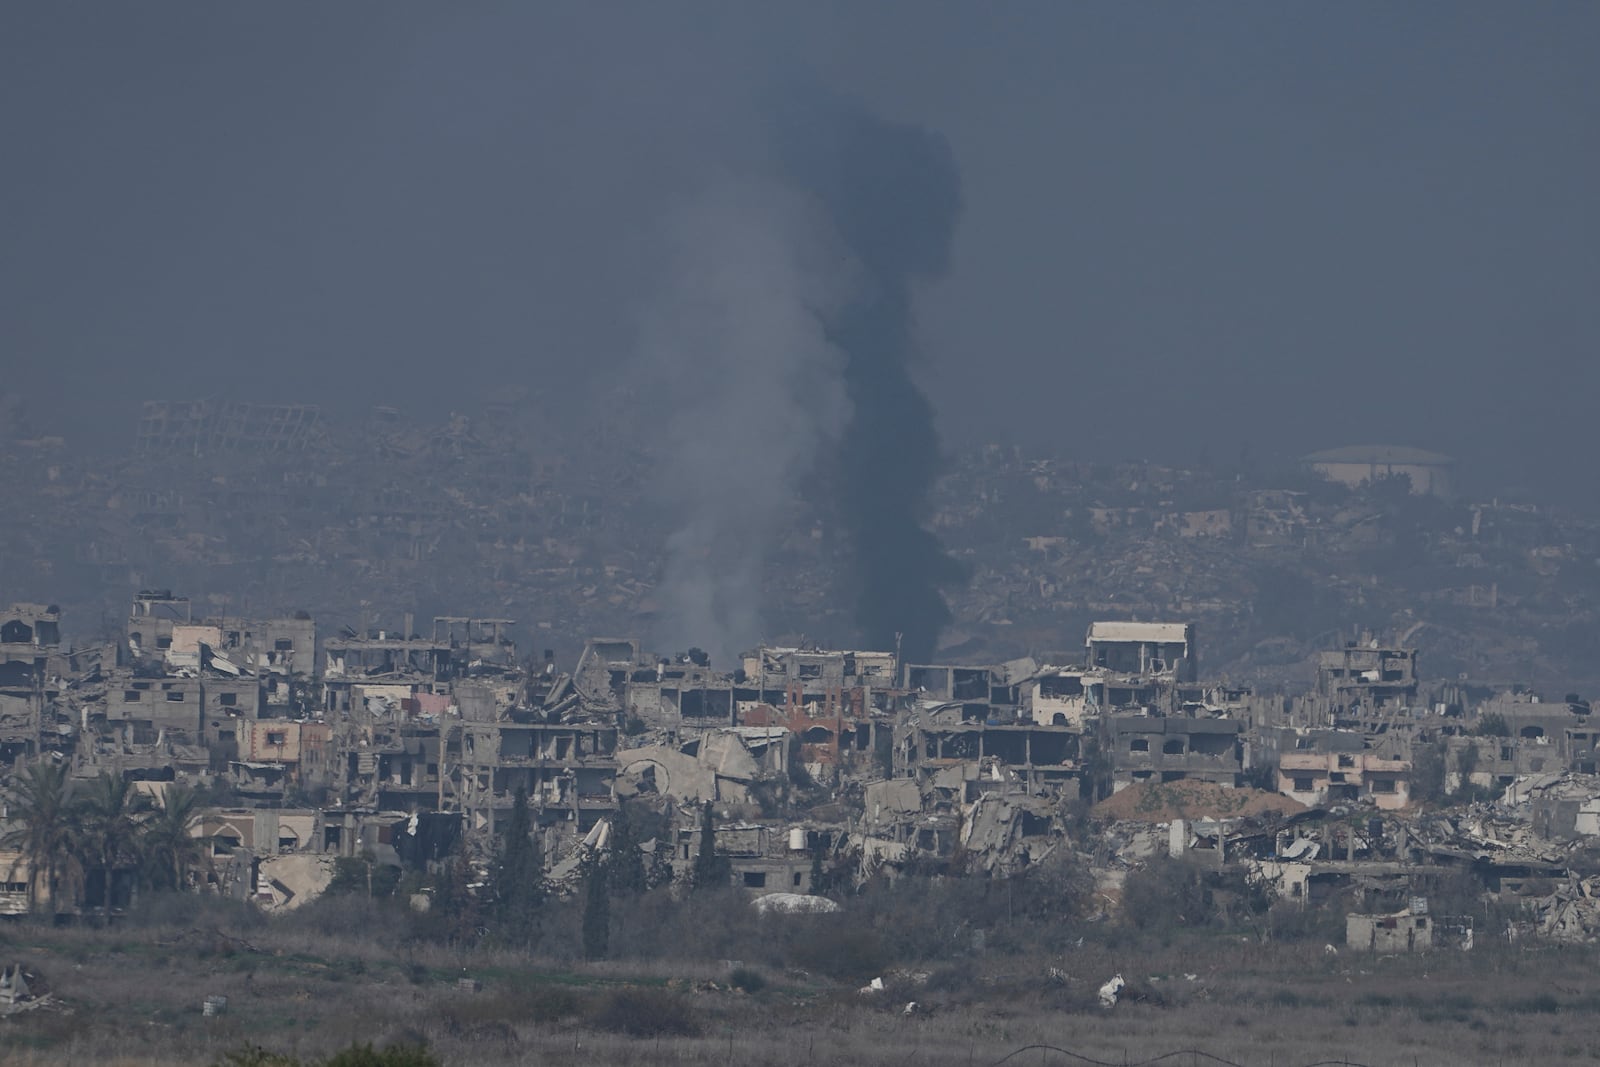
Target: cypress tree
(597, 911)
(711, 868)
(455, 913)
(819, 876)
(519, 877)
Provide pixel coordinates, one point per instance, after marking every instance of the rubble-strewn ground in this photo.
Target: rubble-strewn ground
(1164, 801)
(133, 996)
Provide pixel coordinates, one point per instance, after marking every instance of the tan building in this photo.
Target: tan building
(1402, 932)
(1318, 778)
(15, 875)
(1431, 473)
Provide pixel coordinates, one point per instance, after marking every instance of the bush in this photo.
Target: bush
(190, 910)
(1292, 921)
(393, 1056)
(363, 876)
(1167, 893)
(346, 916)
(256, 1057)
(837, 949)
(747, 980)
(354, 1056)
(717, 924)
(646, 1013)
(1542, 1004)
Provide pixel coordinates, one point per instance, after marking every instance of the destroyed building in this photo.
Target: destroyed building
(566, 770)
(1318, 779)
(1144, 648)
(1403, 932)
(30, 635)
(1363, 686)
(1165, 748)
(204, 427)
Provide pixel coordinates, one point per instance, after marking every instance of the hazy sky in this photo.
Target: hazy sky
(1185, 226)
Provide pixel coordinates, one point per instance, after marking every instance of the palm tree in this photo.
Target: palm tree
(110, 818)
(170, 846)
(41, 804)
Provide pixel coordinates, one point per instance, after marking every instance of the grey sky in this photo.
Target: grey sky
(1291, 225)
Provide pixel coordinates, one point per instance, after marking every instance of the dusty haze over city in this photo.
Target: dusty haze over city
(1185, 232)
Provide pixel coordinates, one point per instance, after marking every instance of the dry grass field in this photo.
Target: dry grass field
(132, 994)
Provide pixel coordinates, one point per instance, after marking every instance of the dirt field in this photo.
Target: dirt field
(133, 996)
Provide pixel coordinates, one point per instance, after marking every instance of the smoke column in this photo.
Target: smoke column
(893, 195)
(781, 345)
(737, 356)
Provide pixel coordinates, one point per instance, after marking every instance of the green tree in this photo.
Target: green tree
(1166, 894)
(597, 911)
(519, 877)
(1428, 773)
(41, 804)
(711, 868)
(109, 818)
(455, 912)
(626, 865)
(170, 848)
(1492, 724)
(363, 876)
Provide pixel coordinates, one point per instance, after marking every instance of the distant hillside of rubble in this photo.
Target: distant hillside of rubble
(430, 513)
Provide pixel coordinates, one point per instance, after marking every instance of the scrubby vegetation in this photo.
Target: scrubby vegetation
(628, 967)
(703, 977)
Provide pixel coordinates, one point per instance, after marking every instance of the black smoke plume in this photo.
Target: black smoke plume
(893, 194)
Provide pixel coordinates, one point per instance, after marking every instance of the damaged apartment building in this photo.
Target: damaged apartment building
(838, 705)
(1364, 686)
(30, 669)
